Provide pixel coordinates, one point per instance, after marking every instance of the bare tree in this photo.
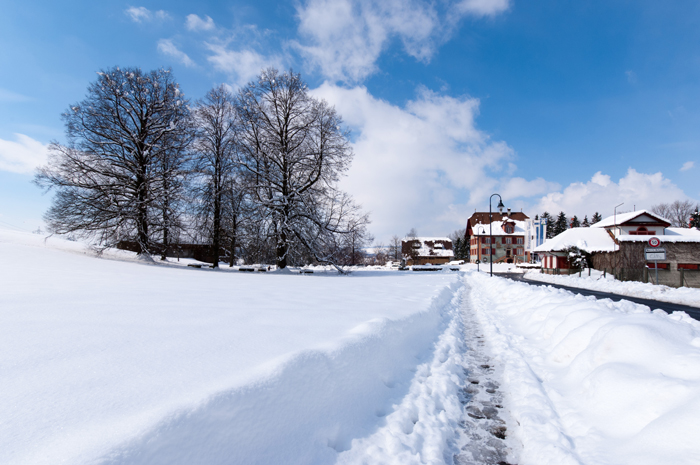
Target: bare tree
(106, 178)
(677, 212)
(215, 117)
(292, 154)
(395, 247)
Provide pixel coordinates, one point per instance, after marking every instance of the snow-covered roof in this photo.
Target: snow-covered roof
(519, 230)
(624, 217)
(672, 235)
(588, 239)
(436, 250)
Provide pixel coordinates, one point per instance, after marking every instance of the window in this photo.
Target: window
(509, 240)
(642, 231)
(485, 240)
(688, 266)
(509, 228)
(520, 240)
(484, 251)
(661, 266)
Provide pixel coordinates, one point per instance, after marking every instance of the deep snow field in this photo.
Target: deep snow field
(112, 360)
(597, 282)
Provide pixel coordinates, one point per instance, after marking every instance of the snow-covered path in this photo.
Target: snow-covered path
(592, 381)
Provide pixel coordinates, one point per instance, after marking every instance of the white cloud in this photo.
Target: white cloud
(140, 14)
(344, 38)
(166, 47)
(483, 7)
(420, 166)
(601, 194)
(195, 23)
(687, 165)
(23, 155)
(241, 65)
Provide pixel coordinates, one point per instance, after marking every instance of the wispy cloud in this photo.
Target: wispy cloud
(167, 47)
(195, 23)
(631, 76)
(9, 96)
(241, 65)
(140, 14)
(687, 165)
(23, 155)
(345, 38)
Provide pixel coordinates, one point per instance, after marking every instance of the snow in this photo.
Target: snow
(437, 249)
(116, 361)
(596, 282)
(588, 239)
(671, 235)
(497, 229)
(624, 217)
(592, 381)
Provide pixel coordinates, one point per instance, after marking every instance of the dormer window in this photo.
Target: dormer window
(509, 229)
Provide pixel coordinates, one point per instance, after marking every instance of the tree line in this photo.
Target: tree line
(252, 174)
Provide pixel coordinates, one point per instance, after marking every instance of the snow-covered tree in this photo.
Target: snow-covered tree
(292, 152)
(575, 223)
(216, 189)
(596, 218)
(122, 156)
(578, 258)
(695, 218)
(585, 222)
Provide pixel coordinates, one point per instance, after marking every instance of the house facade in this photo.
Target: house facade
(502, 241)
(427, 250)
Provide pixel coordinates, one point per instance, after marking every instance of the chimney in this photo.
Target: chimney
(508, 214)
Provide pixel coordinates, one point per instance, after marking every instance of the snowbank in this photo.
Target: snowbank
(592, 381)
(596, 282)
(119, 362)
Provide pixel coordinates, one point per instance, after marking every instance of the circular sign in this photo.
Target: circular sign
(477, 262)
(654, 242)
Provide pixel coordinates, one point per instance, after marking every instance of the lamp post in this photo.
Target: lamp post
(500, 210)
(616, 234)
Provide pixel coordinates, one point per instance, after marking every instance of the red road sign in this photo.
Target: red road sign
(654, 242)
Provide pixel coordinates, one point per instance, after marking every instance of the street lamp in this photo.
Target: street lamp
(500, 210)
(615, 235)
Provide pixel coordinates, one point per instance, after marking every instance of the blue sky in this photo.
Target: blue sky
(556, 105)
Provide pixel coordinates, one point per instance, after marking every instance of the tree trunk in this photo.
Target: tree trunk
(282, 249)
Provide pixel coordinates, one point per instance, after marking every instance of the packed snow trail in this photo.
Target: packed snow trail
(592, 382)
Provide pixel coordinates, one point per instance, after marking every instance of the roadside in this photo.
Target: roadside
(668, 307)
(599, 281)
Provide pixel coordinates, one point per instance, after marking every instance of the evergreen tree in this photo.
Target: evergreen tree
(695, 219)
(585, 223)
(575, 223)
(560, 225)
(596, 218)
(537, 217)
(550, 224)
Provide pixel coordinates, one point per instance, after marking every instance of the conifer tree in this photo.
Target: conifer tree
(585, 223)
(575, 223)
(596, 218)
(560, 225)
(550, 224)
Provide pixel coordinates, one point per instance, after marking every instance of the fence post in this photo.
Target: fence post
(646, 275)
(589, 271)
(604, 272)
(682, 276)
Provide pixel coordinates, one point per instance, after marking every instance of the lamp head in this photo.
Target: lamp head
(500, 206)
